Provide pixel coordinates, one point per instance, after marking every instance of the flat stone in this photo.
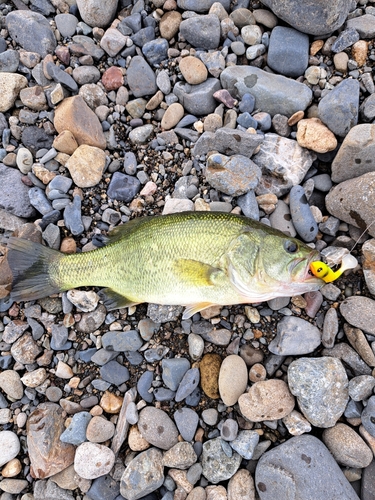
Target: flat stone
(279, 473)
(15, 199)
(233, 378)
(198, 99)
(143, 475)
(11, 384)
(313, 134)
(321, 388)
(141, 78)
(48, 455)
(73, 114)
(93, 460)
(364, 25)
(359, 312)
(274, 94)
(228, 142)
(180, 456)
(356, 154)
(202, 31)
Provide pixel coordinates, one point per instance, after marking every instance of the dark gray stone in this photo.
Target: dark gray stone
(173, 371)
(288, 51)
(368, 482)
(339, 108)
(188, 384)
(114, 373)
(123, 187)
(141, 78)
(104, 488)
(43, 7)
(187, 421)
(198, 99)
(156, 51)
(201, 31)
(122, 341)
(60, 76)
(15, 194)
(144, 385)
(302, 217)
(143, 36)
(367, 108)
(9, 61)
(75, 433)
(274, 94)
(73, 216)
(136, 484)
(315, 17)
(365, 25)
(35, 138)
(302, 468)
(345, 39)
(249, 205)
(32, 31)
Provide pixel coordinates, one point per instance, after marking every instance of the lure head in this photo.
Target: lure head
(320, 269)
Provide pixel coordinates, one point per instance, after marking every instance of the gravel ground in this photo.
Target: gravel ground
(115, 110)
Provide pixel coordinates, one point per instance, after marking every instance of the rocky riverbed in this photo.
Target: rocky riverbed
(121, 109)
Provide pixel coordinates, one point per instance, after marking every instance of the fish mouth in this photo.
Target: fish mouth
(300, 269)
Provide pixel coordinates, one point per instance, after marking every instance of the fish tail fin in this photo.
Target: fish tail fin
(33, 268)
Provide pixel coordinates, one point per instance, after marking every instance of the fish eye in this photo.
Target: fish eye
(290, 246)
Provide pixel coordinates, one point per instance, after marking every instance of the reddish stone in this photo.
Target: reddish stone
(63, 54)
(224, 96)
(112, 78)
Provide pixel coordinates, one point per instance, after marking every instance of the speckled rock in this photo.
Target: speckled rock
(217, 466)
(143, 475)
(295, 336)
(93, 460)
(241, 486)
(9, 446)
(157, 428)
(313, 134)
(360, 312)
(86, 165)
(10, 86)
(321, 388)
(347, 447)
(95, 13)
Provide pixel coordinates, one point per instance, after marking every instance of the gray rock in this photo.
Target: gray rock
(353, 201)
(288, 51)
(157, 428)
(97, 13)
(141, 78)
(35, 138)
(73, 216)
(339, 108)
(187, 421)
(365, 25)
(245, 443)
(201, 5)
(84, 75)
(156, 51)
(104, 488)
(45, 490)
(233, 175)
(248, 204)
(295, 336)
(123, 187)
(188, 384)
(143, 475)
(227, 141)
(361, 387)
(9, 61)
(368, 416)
(321, 388)
(274, 94)
(114, 373)
(359, 311)
(368, 483)
(66, 24)
(122, 341)
(198, 99)
(367, 109)
(345, 39)
(146, 36)
(291, 471)
(39, 200)
(356, 155)
(173, 371)
(144, 385)
(32, 31)
(201, 31)
(15, 194)
(75, 433)
(330, 328)
(302, 217)
(217, 466)
(281, 219)
(284, 163)
(350, 357)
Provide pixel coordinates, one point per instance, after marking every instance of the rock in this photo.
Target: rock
(232, 379)
(241, 486)
(95, 13)
(74, 115)
(93, 460)
(312, 134)
(295, 336)
(296, 423)
(75, 433)
(368, 264)
(288, 51)
(143, 475)
(359, 342)
(209, 374)
(112, 78)
(169, 24)
(280, 474)
(187, 421)
(86, 165)
(227, 141)
(141, 78)
(358, 311)
(201, 5)
(234, 175)
(15, 198)
(32, 31)
(157, 428)
(180, 456)
(274, 94)
(364, 25)
(312, 17)
(35, 378)
(48, 455)
(198, 99)
(172, 116)
(11, 384)
(217, 466)
(245, 443)
(99, 430)
(66, 24)
(10, 86)
(321, 388)
(345, 39)
(356, 154)
(283, 163)
(193, 70)
(123, 187)
(347, 447)
(201, 31)
(339, 108)
(266, 400)
(25, 350)
(9, 446)
(353, 201)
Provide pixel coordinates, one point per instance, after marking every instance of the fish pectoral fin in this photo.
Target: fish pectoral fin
(194, 308)
(193, 272)
(113, 300)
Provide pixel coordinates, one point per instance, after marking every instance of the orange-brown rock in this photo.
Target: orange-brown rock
(209, 369)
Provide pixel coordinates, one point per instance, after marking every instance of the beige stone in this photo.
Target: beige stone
(316, 46)
(43, 174)
(340, 60)
(266, 400)
(99, 430)
(111, 403)
(359, 52)
(65, 142)
(233, 378)
(75, 115)
(169, 24)
(34, 98)
(212, 122)
(10, 86)
(347, 447)
(313, 134)
(12, 468)
(172, 116)
(193, 70)
(34, 378)
(241, 486)
(86, 166)
(135, 440)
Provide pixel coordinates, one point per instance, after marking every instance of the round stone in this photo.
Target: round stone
(347, 447)
(232, 379)
(93, 460)
(193, 70)
(99, 430)
(9, 446)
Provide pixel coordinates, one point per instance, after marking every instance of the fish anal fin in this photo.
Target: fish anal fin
(195, 308)
(193, 272)
(113, 300)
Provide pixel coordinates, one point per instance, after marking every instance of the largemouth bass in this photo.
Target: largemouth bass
(194, 259)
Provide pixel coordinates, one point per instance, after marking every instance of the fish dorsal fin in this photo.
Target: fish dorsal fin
(193, 272)
(126, 229)
(113, 300)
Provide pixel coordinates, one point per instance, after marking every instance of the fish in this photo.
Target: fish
(192, 259)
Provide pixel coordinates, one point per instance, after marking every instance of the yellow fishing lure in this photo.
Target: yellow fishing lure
(324, 272)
